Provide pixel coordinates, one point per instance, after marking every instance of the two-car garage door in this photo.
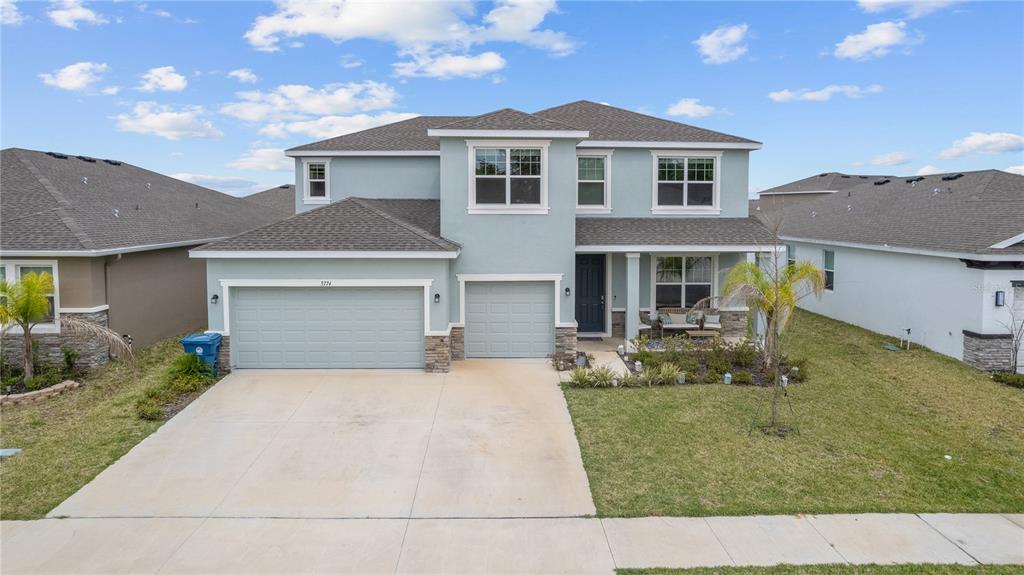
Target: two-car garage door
(336, 327)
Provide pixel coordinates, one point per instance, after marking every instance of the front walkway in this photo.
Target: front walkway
(541, 545)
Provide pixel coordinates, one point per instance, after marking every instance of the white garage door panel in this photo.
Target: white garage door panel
(510, 319)
(327, 327)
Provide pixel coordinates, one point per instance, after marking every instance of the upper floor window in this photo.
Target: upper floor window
(508, 179)
(317, 182)
(593, 191)
(685, 182)
(830, 269)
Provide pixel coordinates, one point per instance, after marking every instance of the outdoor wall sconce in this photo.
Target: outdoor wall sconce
(1000, 298)
(437, 298)
(567, 292)
(214, 299)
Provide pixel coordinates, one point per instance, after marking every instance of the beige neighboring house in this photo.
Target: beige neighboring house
(115, 237)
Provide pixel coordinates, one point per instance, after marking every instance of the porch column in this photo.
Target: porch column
(632, 295)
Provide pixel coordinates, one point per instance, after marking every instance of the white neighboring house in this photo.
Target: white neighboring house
(937, 259)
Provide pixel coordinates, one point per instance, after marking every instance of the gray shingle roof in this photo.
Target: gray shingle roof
(615, 124)
(70, 204)
(671, 232)
(829, 181)
(352, 224)
(507, 119)
(408, 134)
(967, 214)
(279, 199)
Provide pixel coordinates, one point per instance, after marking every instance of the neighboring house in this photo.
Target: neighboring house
(814, 187)
(115, 237)
(280, 200)
(937, 259)
(507, 234)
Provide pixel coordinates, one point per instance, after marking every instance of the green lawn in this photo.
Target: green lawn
(836, 570)
(69, 439)
(874, 427)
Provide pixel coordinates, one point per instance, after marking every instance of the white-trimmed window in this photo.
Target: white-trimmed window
(14, 270)
(593, 181)
(829, 259)
(685, 182)
(682, 281)
(508, 177)
(317, 181)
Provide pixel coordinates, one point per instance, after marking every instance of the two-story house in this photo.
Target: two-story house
(507, 234)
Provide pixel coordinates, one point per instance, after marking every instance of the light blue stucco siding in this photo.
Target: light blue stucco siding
(411, 177)
(513, 244)
(330, 269)
(632, 183)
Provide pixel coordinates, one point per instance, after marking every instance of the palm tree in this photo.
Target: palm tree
(773, 292)
(25, 303)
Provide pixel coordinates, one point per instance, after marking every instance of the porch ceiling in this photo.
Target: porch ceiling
(673, 234)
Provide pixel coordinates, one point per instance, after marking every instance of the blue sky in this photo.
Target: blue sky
(212, 91)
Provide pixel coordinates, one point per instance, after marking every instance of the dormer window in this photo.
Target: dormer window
(508, 177)
(316, 188)
(685, 182)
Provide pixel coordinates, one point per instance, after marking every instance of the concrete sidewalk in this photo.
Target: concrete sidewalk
(543, 545)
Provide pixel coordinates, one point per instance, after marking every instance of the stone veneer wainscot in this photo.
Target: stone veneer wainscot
(92, 351)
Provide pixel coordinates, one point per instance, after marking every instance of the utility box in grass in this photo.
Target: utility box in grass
(205, 345)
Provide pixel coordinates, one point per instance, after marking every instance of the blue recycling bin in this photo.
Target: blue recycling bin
(205, 345)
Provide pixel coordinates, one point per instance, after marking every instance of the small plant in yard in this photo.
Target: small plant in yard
(667, 374)
(579, 377)
(743, 378)
(188, 374)
(602, 377)
(630, 380)
(1011, 379)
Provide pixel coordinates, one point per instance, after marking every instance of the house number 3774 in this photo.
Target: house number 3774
(325, 283)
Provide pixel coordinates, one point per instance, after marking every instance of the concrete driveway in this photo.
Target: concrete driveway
(493, 438)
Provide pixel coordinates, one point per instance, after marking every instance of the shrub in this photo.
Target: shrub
(743, 378)
(579, 377)
(630, 380)
(648, 377)
(645, 357)
(70, 359)
(189, 365)
(744, 355)
(719, 364)
(667, 374)
(47, 376)
(1011, 379)
(149, 408)
(712, 377)
(602, 377)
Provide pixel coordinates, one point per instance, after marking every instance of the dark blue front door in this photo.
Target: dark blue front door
(590, 288)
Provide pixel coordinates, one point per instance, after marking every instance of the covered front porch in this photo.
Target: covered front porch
(637, 275)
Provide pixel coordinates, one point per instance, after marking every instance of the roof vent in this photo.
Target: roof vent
(85, 180)
(285, 186)
(863, 177)
(845, 177)
(914, 180)
(117, 213)
(197, 205)
(149, 185)
(56, 155)
(87, 159)
(951, 177)
(823, 175)
(882, 182)
(849, 208)
(113, 162)
(814, 214)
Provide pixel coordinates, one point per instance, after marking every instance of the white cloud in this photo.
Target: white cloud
(69, 13)
(517, 21)
(450, 65)
(1019, 170)
(825, 94)
(145, 9)
(912, 8)
(330, 126)
(891, 159)
(691, 108)
(244, 75)
(9, 13)
(110, 90)
(876, 40)
(723, 44)
(349, 61)
(76, 77)
(928, 170)
(166, 122)
(984, 143)
(232, 185)
(264, 159)
(299, 101)
(163, 79)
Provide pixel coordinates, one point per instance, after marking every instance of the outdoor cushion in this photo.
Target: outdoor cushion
(665, 318)
(678, 318)
(711, 319)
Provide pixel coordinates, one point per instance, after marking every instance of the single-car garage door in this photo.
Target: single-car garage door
(510, 319)
(285, 327)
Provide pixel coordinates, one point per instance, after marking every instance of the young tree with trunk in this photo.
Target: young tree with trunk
(25, 303)
(772, 291)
